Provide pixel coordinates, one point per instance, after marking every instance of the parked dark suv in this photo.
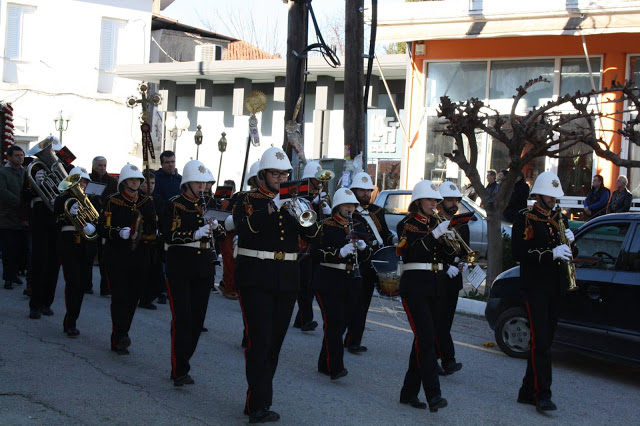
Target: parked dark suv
(603, 314)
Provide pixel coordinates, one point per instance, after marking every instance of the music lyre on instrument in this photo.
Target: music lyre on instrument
(300, 208)
(86, 212)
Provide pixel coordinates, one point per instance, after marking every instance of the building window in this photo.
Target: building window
(507, 76)
(574, 75)
(20, 38)
(110, 34)
(458, 80)
(633, 173)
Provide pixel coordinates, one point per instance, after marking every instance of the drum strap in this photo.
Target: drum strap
(374, 228)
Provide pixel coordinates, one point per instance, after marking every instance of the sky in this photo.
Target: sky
(269, 15)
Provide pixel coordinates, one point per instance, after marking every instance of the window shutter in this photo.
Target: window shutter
(30, 45)
(14, 24)
(110, 34)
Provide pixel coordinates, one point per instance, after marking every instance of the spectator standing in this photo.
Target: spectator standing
(167, 177)
(596, 202)
(492, 187)
(621, 198)
(11, 227)
(518, 200)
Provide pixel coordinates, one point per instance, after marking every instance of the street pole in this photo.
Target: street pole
(353, 78)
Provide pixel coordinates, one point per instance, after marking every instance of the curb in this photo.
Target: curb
(470, 306)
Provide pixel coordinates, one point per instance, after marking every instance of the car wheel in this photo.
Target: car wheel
(512, 332)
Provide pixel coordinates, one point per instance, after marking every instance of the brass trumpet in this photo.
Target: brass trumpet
(456, 242)
(86, 212)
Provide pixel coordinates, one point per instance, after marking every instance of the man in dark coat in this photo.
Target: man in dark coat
(167, 177)
(621, 198)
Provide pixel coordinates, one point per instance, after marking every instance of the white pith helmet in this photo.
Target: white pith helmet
(253, 170)
(311, 169)
(344, 196)
(130, 171)
(228, 223)
(80, 171)
(362, 180)
(274, 158)
(195, 171)
(210, 177)
(547, 183)
(425, 189)
(449, 190)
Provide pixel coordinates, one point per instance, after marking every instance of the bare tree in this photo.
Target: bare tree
(546, 131)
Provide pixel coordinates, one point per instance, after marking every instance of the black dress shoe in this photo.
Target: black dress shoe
(413, 401)
(47, 311)
(8, 285)
(263, 416)
(34, 313)
(204, 330)
(149, 306)
(545, 405)
(72, 332)
(451, 368)
(183, 380)
(17, 281)
(88, 291)
(440, 371)
(310, 326)
(357, 349)
(324, 371)
(437, 402)
(339, 374)
(525, 397)
(123, 343)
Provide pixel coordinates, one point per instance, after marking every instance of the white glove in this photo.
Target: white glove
(326, 209)
(441, 229)
(569, 234)
(361, 245)
(347, 250)
(278, 202)
(89, 229)
(74, 209)
(452, 271)
(40, 177)
(562, 252)
(204, 231)
(214, 224)
(125, 233)
(465, 266)
(319, 197)
(395, 240)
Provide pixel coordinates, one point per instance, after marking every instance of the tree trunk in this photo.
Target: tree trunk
(296, 41)
(354, 78)
(494, 241)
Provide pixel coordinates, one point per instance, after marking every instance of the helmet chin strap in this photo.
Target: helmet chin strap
(544, 203)
(192, 192)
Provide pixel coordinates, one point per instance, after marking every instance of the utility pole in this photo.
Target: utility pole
(296, 43)
(354, 78)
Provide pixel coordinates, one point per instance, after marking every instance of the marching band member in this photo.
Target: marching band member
(337, 281)
(422, 255)
(537, 245)
(449, 283)
(190, 269)
(126, 262)
(304, 318)
(76, 253)
(373, 216)
(267, 277)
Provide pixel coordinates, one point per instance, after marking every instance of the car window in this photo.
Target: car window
(397, 203)
(474, 207)
(633, 260)
(599, 247)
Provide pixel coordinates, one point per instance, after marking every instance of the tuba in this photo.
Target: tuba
(86, 212)
(456, 242)
(53, 169)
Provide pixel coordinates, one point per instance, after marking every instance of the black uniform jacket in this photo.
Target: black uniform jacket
(535, 234)
(416, 244)
(452, 257)
(276, 232)
(334, 231)
(376, 213)
(63, 220)
(120, 211)
(181, 219)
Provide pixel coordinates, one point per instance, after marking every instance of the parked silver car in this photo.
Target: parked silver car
(396, 202)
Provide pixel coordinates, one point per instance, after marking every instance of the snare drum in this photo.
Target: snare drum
(385, 263)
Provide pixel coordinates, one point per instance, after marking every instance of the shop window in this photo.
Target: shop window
(507, 76)
(633, 173)
(574, 75)
(458, 80)
(387, 174)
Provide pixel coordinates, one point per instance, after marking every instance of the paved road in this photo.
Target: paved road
(47, 378)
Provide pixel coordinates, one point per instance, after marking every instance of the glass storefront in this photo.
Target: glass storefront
(633, 174)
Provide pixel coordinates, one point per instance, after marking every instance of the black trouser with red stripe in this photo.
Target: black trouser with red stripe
(124, 270)
(423, 367)
(75, 255)
(542, 307)
(45, 263)
(154, 279)
(358, 315)
(448, 290)
(189, 287)
(267, 315)
(305, 295)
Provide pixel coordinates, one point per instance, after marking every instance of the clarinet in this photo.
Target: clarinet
(356, 266)
(210, 222)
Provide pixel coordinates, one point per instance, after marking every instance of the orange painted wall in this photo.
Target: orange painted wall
(613, 47)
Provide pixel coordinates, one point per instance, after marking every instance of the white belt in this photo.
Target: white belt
(365, 214)
(68, 228)
(343, 266)
(435, 267)
(195, 244)
(35, 200)
(262, 255)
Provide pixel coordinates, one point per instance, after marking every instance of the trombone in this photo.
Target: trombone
(456, 242)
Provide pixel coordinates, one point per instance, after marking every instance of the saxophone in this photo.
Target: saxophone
(571, 267)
